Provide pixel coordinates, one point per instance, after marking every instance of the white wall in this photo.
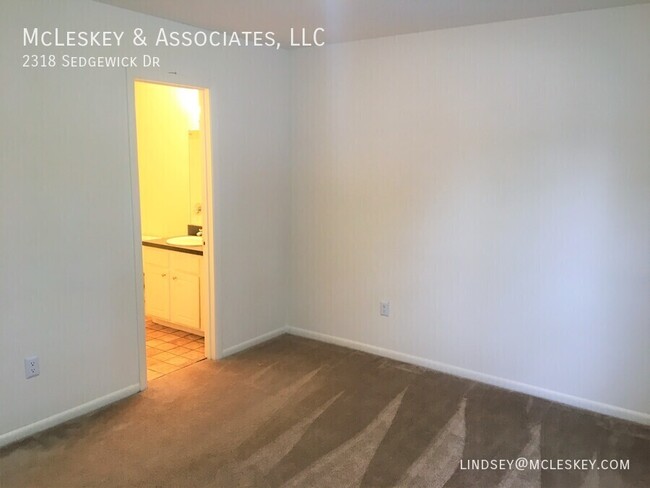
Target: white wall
(493, 183)
(67, 282)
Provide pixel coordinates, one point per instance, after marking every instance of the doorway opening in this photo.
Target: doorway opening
(174, 188)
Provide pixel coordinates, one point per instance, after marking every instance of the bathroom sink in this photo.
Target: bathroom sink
(186, 241)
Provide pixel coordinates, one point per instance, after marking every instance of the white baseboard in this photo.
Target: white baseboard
(574, 401)
(254, 341)
(59, 418)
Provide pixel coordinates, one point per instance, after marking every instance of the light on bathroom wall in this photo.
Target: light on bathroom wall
(189, 100)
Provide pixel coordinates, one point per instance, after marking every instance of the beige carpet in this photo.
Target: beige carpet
(299, 413)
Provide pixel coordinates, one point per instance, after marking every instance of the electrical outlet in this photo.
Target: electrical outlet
(384, 309)
(32, 367)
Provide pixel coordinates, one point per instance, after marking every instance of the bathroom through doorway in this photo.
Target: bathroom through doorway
(174, 192)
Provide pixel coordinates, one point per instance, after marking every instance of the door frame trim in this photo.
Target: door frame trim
(213, 333)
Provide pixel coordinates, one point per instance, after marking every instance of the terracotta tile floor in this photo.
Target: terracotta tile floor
(169, 350)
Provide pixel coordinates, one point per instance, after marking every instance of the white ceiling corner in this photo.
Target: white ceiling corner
(349, 20)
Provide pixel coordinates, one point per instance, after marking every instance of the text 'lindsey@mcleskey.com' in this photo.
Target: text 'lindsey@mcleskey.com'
(528, 464)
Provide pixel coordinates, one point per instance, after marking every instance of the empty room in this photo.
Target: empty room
(325, 243)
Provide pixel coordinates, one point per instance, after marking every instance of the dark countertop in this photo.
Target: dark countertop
(162, 244)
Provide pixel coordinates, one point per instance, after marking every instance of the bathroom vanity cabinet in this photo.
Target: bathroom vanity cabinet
(172, 288)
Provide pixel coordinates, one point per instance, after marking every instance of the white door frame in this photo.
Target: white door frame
(213, 343)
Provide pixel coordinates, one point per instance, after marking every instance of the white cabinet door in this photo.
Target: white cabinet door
(184, 299)
(156, 290)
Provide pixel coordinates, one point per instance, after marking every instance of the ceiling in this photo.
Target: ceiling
(348, 20)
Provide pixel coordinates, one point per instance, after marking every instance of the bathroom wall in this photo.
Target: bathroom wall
(196, 161)
(493, 183)
(67, 234)
(163, 137)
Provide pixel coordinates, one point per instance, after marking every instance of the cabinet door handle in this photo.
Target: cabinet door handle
(163, 275)
(174, 277)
